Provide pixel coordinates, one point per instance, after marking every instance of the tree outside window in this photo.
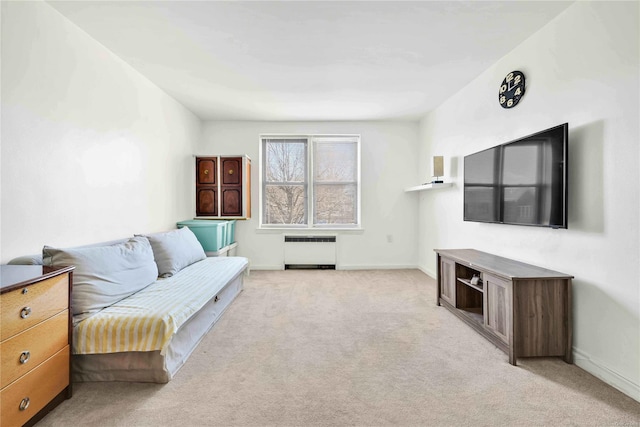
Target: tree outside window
(310, 177)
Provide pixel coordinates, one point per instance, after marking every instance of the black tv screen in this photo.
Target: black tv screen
(522, 182)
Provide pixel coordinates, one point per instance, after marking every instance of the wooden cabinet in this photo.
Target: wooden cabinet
(207, 186)
(223, 187)
(448, 283)
(35, 341)
(523, 309)
(497, 306)
(231, 186)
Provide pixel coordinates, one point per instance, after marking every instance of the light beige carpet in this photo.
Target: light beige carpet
(301, 348)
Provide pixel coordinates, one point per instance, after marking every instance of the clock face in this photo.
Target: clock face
(511, 89)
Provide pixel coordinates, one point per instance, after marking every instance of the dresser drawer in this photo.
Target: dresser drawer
(20, 310)
(23, 352)
(39, 386)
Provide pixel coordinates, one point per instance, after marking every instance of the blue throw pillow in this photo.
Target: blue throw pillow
(105, 274)
(175, 250)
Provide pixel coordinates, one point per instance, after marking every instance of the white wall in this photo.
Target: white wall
(388, 165)
(582, 68)
(91, 150)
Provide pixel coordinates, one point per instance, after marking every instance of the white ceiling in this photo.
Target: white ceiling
(322, 60)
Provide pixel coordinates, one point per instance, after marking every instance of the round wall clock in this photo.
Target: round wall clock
(511, 89)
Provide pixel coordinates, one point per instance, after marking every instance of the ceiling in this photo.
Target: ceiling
(320, 60)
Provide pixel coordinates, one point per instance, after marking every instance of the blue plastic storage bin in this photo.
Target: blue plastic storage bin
(231, 231)
(211, 234)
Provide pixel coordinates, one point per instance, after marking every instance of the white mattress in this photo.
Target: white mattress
(147, 320)
(160, 364)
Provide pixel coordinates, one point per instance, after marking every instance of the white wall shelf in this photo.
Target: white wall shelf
(428, 187)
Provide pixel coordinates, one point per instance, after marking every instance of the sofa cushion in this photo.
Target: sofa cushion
(105, 274)
(35, 259)
(174, 250)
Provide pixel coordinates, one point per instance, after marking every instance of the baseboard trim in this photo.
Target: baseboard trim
(347, 267)
(599, 370)
(375, 267)
(267, 267)
(427, 271)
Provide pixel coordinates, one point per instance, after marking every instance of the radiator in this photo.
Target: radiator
(310, 252)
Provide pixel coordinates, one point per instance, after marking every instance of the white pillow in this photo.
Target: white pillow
(105, 274)
(35, 259)
(175, 250)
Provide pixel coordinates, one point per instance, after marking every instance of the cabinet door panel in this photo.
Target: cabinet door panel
(231, 171)
(232, 201)
(206, 171)
(498, 306)
(207, 201)
(448, 281)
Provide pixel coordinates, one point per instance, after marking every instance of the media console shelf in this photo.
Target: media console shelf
(523, 309)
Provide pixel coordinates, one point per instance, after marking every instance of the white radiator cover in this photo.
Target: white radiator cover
(309, 250)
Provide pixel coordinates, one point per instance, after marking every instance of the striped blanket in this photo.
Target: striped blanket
(148, 319)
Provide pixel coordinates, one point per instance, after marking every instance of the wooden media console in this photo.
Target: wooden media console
(523, 309)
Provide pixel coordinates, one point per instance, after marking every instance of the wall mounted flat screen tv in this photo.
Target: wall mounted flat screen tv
(522, 182)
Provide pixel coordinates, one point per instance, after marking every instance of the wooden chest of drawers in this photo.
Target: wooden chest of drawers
(35, 342)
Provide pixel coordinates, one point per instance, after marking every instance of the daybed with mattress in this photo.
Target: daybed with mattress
(142, 305)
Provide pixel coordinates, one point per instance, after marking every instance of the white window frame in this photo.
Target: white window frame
(311, 140)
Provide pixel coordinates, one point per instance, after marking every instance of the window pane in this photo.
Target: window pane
(285, 204)
(335, 161)
(285, 160)
(477, 166)
(520, 164)
(335, 204)
(481, 203)
(521, 205)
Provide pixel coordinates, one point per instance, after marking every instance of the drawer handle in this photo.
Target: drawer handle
(216, 299)
(24, 404)
(24, 291)
(206, 171)
(230, 171)
(25, 312)
(25, 356)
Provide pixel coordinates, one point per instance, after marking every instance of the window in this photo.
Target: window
(310, 181)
